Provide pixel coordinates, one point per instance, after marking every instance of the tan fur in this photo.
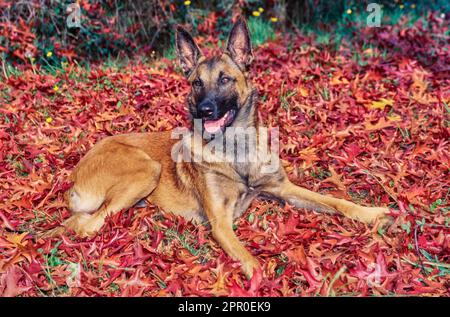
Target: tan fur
(120, 170)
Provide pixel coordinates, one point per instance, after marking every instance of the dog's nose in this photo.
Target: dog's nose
(206, 108)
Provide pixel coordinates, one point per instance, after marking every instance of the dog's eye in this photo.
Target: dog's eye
(225, 80)
(197, 83)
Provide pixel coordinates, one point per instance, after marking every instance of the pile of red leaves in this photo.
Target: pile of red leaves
(368, 124)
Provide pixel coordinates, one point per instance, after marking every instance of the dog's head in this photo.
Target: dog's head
(220, 87)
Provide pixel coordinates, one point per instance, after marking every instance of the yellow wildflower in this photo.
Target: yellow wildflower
(402, 6)
(49, 54)
(187, 3)
(260, 9)
(274, 19)
(349, 11)
(55, 88)
(256, 13)
(49, 120)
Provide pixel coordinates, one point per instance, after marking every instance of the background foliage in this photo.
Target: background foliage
(29, 29)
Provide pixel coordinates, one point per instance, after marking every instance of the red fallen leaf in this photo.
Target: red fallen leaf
(332, 257)
(314, 268)
(10, 285)
(11, 261)
(309, 156)
(418, 287)
(34, 267)
(353, 150)
(312, 282)
(414, 191)
(340, 239)
(381, 124)
(201, 235)
(174, 287)
(297, 255)
(158, 237)
(335, 179)
(401, 207)
(5, 222)
(219, 287)
(253, 286)
(17, 240)
(289, 226)
(28, 165)
(186, 257)
(135, 285)
(140, 252)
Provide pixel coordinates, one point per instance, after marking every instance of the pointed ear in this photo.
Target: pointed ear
(239, 46)
(187, 51)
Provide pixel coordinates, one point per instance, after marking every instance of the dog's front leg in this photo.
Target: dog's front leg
(222, 231)
(304, 198)
(219, 203)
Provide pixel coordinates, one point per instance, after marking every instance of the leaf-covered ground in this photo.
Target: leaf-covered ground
(369, 123)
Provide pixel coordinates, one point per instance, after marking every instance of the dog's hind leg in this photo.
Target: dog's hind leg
(125, 184)
(123, 196)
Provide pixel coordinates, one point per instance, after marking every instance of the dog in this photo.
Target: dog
(121, 170)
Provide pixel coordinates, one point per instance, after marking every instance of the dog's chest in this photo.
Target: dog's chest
(254, 177)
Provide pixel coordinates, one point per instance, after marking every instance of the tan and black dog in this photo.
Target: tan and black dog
(121, 170)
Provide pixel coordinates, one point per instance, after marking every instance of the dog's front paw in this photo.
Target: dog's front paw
(370, 214)
(250, 266)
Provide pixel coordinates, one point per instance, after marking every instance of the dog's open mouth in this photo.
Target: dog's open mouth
(215, 126)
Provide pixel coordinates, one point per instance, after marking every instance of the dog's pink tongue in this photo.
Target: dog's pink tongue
(214, 126)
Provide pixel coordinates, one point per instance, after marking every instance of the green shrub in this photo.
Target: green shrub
(261, 30)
